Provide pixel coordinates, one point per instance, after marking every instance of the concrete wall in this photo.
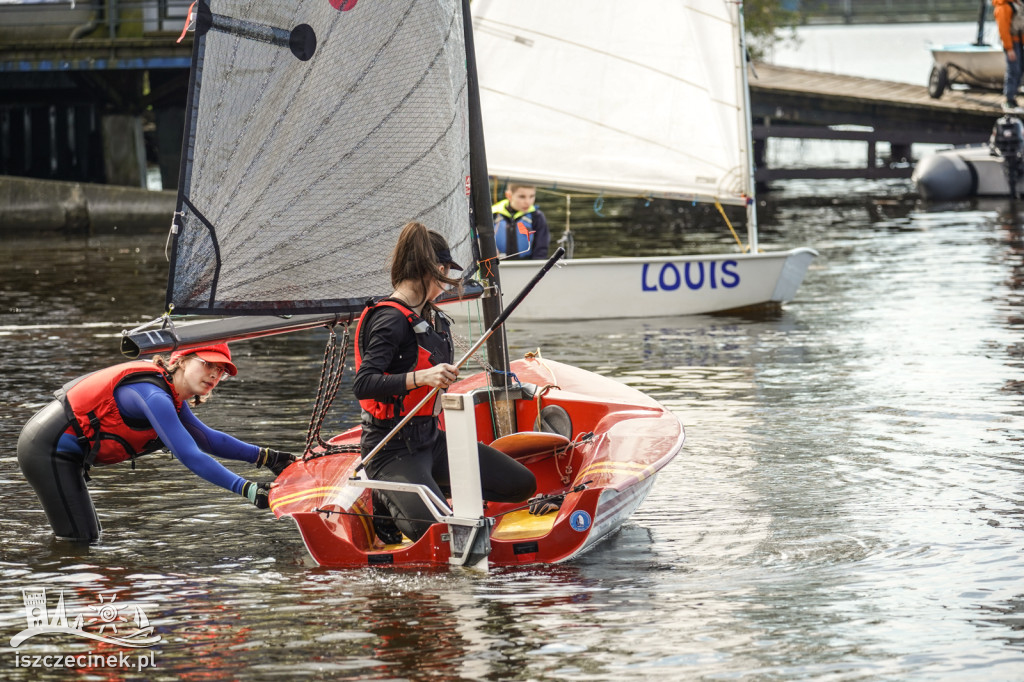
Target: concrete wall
(34, 205)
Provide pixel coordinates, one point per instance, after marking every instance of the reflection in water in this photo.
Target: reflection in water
(847, 504)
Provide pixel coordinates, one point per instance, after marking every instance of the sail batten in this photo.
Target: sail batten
(296, 170)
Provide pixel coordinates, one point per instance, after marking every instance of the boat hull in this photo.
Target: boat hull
(961, 173)
(974, 65)
(592, 288)
(604, 479)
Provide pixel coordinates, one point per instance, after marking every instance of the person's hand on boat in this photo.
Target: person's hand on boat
(545, 504)
(257, 493)
(275, 460)
(441, 376)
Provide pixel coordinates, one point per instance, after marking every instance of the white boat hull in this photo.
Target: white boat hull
(960, 173)
(977, 65)
(591, 288)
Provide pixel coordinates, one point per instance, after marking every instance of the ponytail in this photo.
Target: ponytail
(415, 258)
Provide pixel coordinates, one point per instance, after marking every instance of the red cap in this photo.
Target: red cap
(217, 353)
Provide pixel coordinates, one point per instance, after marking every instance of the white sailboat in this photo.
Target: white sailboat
(647, 99)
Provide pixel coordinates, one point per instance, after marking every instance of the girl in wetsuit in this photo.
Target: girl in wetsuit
(403, 349)
(124, 411)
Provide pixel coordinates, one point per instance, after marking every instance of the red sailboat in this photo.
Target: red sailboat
(315, 130)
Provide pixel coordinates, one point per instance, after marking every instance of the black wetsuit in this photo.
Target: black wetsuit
(54, 464)
(419, 453)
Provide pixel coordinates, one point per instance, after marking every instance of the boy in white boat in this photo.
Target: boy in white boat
(520, 228)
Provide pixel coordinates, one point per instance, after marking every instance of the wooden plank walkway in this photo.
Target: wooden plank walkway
(818, 98)
(798, 103)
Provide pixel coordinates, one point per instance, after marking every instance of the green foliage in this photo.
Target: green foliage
(767, 22)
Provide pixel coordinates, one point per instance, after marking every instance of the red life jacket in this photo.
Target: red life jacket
(429, 343)
(103, 433)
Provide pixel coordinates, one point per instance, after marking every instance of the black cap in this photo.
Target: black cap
(444, 257)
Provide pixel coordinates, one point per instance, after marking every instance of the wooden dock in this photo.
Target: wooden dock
(58, 95)
(797, 103)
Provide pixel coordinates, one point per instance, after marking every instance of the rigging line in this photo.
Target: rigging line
(580, 439)
(331, 373)
(339, 371)
(312, 432)
(592, 195)
(464, 346)
(364, 515)
(188, 21)
(743, 249)
(535, 355)
(489, 371)
(538, 426)
(735, 197)
(170, 234)
(343, 449)
(546, 498)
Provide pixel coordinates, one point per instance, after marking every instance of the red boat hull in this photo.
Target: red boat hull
(634, 437)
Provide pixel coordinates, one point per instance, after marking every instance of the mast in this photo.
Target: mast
(483, 225)
(741, 64)
(981, 24)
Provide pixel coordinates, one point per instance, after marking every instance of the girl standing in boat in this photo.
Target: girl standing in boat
(403, 349)
(124, 411)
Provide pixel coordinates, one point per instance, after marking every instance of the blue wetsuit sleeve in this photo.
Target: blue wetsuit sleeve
(217, 442)
(149, 402)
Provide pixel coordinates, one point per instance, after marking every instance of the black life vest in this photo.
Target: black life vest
(103, 433)
(433, 348)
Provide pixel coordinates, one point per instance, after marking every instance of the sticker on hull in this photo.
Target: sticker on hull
(579, 521)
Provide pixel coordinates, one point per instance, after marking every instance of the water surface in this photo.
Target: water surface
(847, 506)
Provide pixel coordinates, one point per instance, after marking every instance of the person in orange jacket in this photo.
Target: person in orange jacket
(1011, 34)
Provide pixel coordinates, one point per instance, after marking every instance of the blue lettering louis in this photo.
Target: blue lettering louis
(694, 275)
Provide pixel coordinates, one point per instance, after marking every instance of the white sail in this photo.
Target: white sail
(642, 98)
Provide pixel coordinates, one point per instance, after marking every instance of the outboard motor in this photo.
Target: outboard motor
(1008, 140)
